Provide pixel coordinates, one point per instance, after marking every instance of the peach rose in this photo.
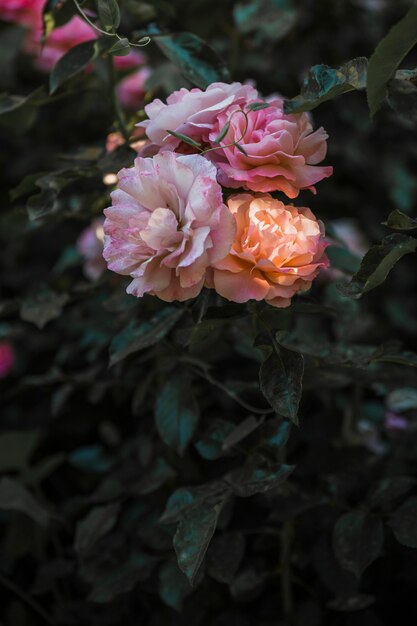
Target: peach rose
(278, 251)
(192, 112)
(282, 151)
(166, 225)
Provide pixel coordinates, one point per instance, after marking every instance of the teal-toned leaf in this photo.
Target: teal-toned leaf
(280, 377)
(72, 63)
(211, 445)
(14, 497)
(121, 48)
(277, 434)
(92, 459)
(402, 399)
(268, 20)
(358, 538)
(176, 413)
(404, 523)
(402, 97)
(43, 307)
(199, 63)
(193, 537)
(387, 57)
(97, 523)
(185, 139)
(138, 336)
(325, 83)
(173, 586)
(186, 498)
(377, 264)
(343, 259)
(109, 14)
(248, 481)
(397, 220)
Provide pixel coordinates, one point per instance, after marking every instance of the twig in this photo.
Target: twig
(26, 599)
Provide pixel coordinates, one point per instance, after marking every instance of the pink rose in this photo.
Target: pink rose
(131, 89)
(59, 41)
(166, 225)
(130, 61)
(90, 246)
(192, 112)
(27, 12)
(278, 251)
(282, 151)
(7, 358)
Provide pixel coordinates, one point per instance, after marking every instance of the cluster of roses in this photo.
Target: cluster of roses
(29, 14)
(169, 227)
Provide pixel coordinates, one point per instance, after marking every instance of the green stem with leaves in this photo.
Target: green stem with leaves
(118, 111)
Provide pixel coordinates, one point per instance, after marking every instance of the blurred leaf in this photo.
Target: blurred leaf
(402, 358)
(250, 480)
(55, 13)
(245, 428)
(280, 378)
(97, 523)
(387, 57)
(121, 48)
(14, 497)
(356, 602)
(343, 259)
(402, 399)
(156, 476)
(357, 541)
(186, 498)
(176, 412)
(390, 488)
(211, 444)
(269, 20)
(10, 103)
(173, 586)
(398, 220)
(109, 14)
(193, 537)
(72, 63)
(324, 83)
(137, 337)
(16, 448)
(225, 555)
(91, 459)
(404, 523)
(43, 307)
(402, 97)
(199, 63)
(377, 264)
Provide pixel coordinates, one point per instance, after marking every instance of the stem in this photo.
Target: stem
(26, 599)
(87, 19)
(285, 565)
(235, 142)
(120, 116)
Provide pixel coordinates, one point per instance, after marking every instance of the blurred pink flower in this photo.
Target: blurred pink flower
(282, 151)
(131, 89)
(130, 61)
(394, 421)
(192, 112)
(278, 251)
(7, 358)
(90, 246)
(166, 225)
(27, 12)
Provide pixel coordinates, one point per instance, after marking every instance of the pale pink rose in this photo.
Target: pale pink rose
(166, 225)
(282, 151)
(27, 12)
(59, 41)
(278, 251)
(131, 89)
(7, 358)
(90, 246)
(192, 112)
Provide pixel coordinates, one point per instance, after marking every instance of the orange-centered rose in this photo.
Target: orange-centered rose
(278, 251)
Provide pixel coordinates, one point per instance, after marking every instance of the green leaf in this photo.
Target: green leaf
(42, 307)
(176, 413)
(197, 61)
(109, 14)
(258, 106)
(402, 97)
(245, 428)
(250, 480)
(387, 57)
(222, 133)
(72, 63)
(193, 537)
(97, 523)
(404, 523)
(397, 220)
(357, 541)
(377, 264)
(281, 377)
(242, 150)
(14, 497)
(121, 48)
(173, 586)
(268, 20)
(325, 83)
(137, 337)
(185, 139)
